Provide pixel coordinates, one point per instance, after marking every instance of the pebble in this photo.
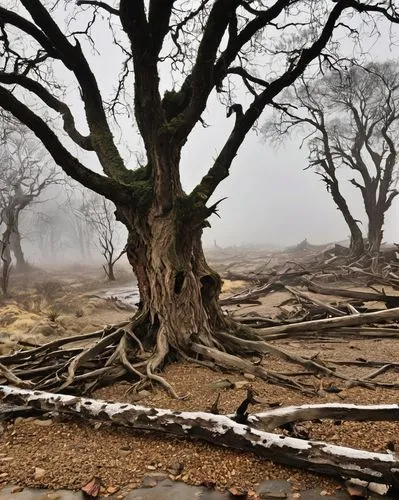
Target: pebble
(249, 376)
(149, 482)
(39, 473)
(112, 489)
(17, 489)
(42, 423)
(241, 384)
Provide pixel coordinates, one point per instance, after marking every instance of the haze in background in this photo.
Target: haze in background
(270, 199)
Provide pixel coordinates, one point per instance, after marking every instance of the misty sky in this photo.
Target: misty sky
(270, 198)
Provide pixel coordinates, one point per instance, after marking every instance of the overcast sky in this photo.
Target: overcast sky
(270, 199)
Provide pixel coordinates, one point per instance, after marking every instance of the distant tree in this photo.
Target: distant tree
(24, 174)
(99, 214)
(205, 47)
(349, 119)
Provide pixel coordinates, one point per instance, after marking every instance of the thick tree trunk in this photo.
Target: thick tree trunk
(178, 290)
(6, 262)
(357, 242)
(16, 248)
(375, 232)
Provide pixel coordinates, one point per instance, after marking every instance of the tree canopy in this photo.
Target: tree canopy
(349, 119)
(207, 46)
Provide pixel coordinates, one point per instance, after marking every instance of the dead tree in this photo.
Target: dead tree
(350, 119)
(99, 214)
(24, 175)
(209, 47)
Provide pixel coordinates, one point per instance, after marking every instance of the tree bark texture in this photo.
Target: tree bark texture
(221, 430)
(178, 290)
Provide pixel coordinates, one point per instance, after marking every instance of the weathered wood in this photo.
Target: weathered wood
(220, 430)
(326, 307)
(389, 300)
(271, 419)
(332, 323)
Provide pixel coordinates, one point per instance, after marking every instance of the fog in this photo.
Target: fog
(270, 198)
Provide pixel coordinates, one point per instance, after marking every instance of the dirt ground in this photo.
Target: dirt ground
(61, 454)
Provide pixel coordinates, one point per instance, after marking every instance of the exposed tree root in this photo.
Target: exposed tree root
(135, 352)
(220, 430)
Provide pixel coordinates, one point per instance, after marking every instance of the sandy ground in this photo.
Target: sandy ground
(60, 454)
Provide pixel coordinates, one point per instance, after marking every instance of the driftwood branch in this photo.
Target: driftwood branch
(272, 419)
(389, 300)
(332, 323)
(221, 430)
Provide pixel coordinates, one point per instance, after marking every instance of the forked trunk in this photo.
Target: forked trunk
(178, 289)
(357, 243)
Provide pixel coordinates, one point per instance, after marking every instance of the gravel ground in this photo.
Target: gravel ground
(59, 454)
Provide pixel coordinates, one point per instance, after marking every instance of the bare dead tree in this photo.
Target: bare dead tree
(99, 214)
(350, 119)
(209, 47)
(24, 175)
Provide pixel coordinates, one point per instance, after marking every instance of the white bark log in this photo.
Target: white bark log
(222, 431)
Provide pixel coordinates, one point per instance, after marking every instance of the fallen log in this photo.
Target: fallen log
(276, 417)
(332, 323)
(391, 301)
(327, 307)
(220, 430)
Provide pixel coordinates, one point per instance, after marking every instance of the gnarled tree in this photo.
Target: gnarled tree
(24, 174)
(207, 45)
(350, 119)
(98, 212)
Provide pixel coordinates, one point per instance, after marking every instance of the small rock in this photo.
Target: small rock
(141, 395)
(18, 420)
(249, 376)
(39, 473)
(53, 496)
(149, 482)
(176, 468)
(17, 489)
(241, 384)
(296, 495)
(3, 475)
(151, 467)
(223, 383)
(42, 423)
(112, 489)
(324, 493)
